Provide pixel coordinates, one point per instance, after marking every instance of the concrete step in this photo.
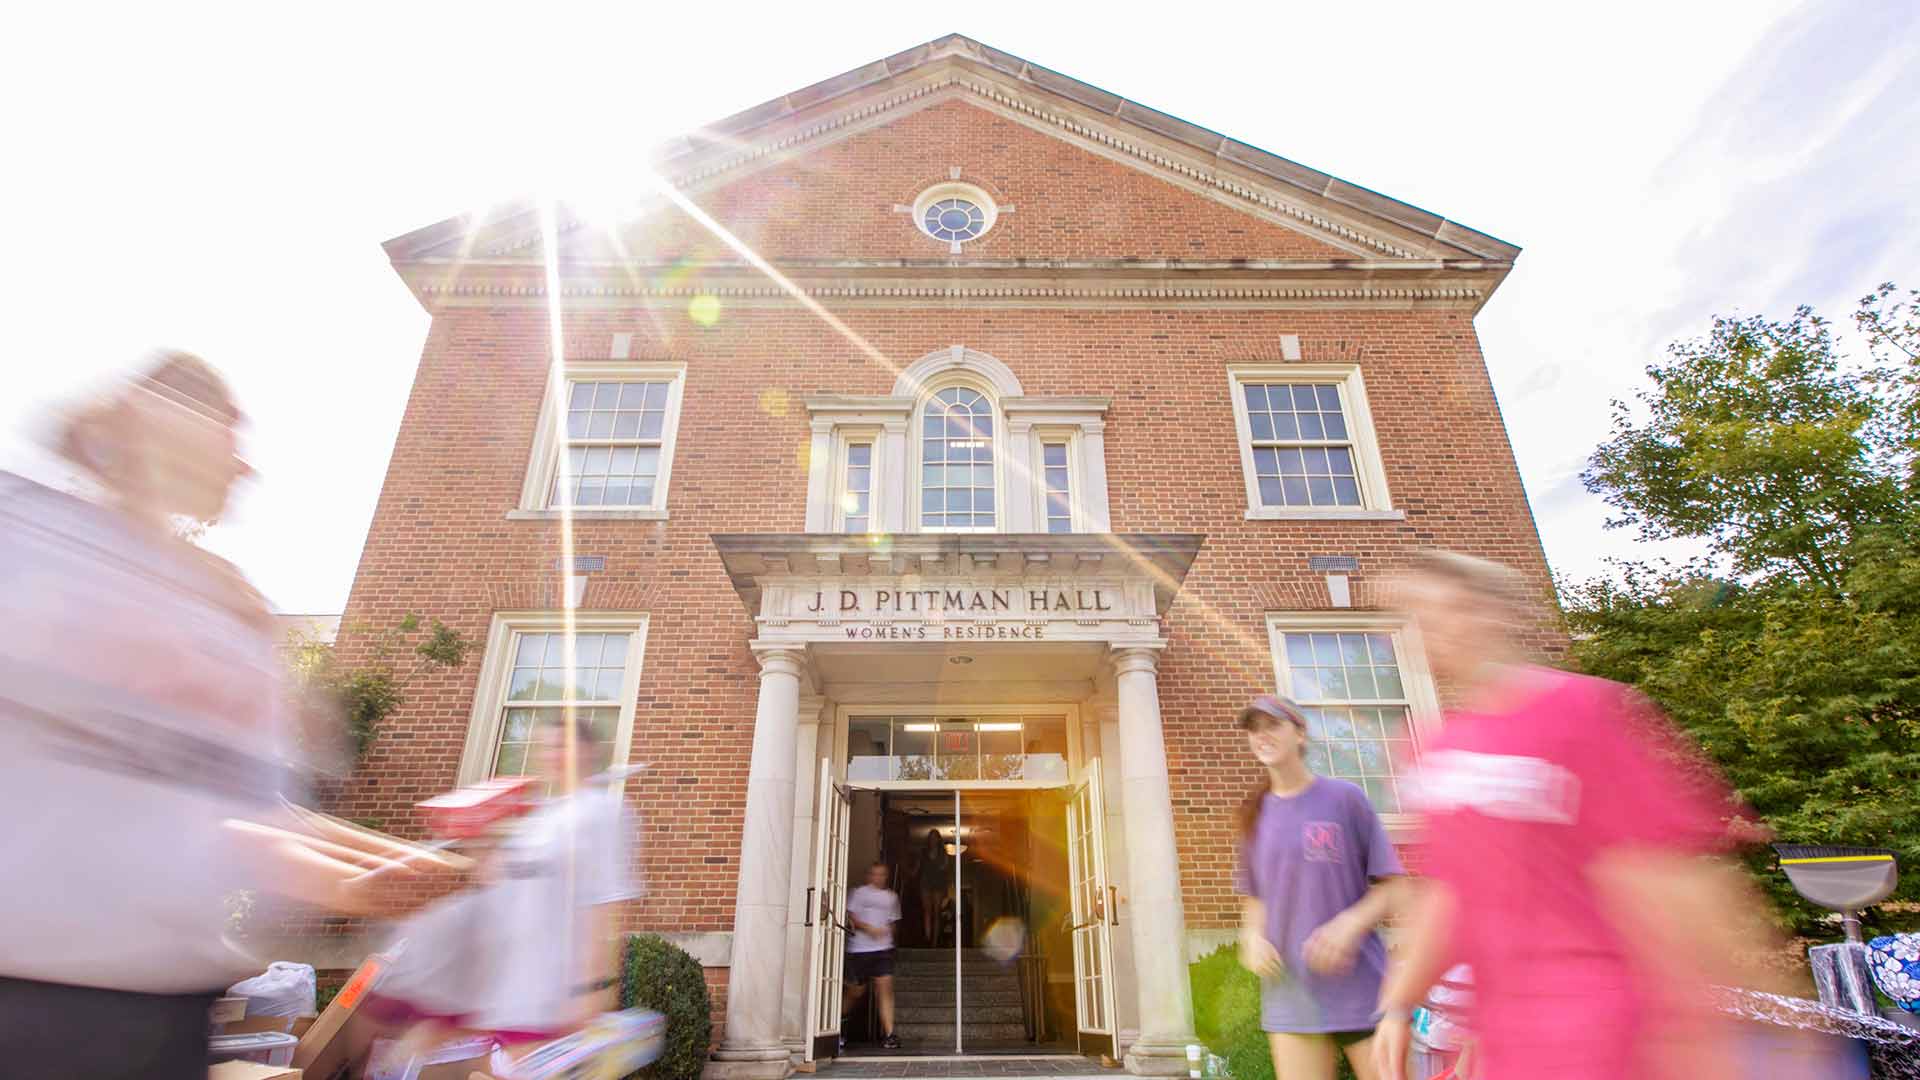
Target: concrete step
(942, 997)
(919, 1013)
(940, 1036)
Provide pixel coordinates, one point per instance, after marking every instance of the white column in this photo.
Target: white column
(1153, 867)
(896, 489)
(752, 1047)
(1023, 489)
(820, 478)
(806, 767)
(1093, 477)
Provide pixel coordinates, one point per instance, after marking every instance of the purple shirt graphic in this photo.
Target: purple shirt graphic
(1312, 856)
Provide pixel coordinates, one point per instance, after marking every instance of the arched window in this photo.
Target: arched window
(958, 475)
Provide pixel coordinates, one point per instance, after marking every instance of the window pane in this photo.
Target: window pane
(1320, 490)
(1329, 397)
(606, 396)
(1054, 455)
(626, 425)
(601, 426)
(1293, 491)
(1262, 425)
(518, 726)
(633, 397)
(1306, 683)
(1273, 493)
(1266, 462)
(511, 760)
(608, 688)
(652, 424)
(615, 652)
(1299, 650)
(1256, 396)
(581, 396)
(531, 648)
(577, 425)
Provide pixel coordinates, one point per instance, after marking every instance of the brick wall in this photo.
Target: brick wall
(440, 544)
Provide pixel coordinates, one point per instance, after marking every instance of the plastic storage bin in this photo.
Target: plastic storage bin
(261, 1047)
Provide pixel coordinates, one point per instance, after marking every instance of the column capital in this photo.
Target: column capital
(1131, 658)
(781, 659)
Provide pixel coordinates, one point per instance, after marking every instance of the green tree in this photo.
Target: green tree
(1791, 652)
(359, 697)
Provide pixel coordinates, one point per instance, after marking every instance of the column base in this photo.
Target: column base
(749, 1063)
(1157, 1059)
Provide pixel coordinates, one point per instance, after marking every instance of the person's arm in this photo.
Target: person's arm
(1418, 961)
(1332, 947)
(1257, 954)
(1690, 923)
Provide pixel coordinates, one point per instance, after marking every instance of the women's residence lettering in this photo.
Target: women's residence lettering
(930, 601)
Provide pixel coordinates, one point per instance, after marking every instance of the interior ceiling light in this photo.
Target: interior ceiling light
(996, 727)
(921, 727)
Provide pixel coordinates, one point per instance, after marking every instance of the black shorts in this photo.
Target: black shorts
(1344, 1039)
(862, 966)
(49, 1029)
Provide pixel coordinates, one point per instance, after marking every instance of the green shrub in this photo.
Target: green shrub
(658, 975)
(1226, 1015)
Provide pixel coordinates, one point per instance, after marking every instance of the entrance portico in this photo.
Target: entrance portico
(950, 621)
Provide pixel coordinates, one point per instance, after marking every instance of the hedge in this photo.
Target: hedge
(658, 975)
(1226, 1015)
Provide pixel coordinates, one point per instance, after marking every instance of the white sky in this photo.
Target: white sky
(220, 179)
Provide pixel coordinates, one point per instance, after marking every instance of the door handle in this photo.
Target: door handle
(1113, 904)
(809, 908)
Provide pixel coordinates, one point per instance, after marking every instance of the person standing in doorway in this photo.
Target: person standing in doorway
(936, 879)
(1317, 877)
(872, 909)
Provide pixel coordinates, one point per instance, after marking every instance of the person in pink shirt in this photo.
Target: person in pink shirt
(1564, 850)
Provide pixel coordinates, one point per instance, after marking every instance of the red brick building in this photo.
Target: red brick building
(1050, 429)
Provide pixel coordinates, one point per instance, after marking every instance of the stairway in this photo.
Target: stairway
(923, 1002)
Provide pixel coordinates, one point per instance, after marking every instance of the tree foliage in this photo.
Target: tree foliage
(364, 694)
(1791, 652)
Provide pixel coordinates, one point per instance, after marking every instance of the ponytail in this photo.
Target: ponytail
(1247, 815)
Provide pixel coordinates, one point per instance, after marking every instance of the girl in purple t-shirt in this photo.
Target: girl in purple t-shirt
(1315, 873)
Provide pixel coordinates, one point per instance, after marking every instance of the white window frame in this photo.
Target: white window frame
(845, 437)
(916, 442)
(1076, 512)
(1416, 678)
(550, 441)
(1375, 502)
(496, 668)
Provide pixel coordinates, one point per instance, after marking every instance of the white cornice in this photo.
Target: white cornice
(1466, 294)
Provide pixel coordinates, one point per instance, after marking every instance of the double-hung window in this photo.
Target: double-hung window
(1056, 482)
(605, 446)
(528, 689)
(1306, 441)
(856, 486)
(1365, 693)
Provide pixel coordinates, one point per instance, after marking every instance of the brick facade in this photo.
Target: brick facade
(440, 542)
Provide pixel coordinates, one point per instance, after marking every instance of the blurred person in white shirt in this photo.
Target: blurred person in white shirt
(142, 730)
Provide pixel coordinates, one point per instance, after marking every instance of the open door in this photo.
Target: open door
(1092, 900)
(827, 917)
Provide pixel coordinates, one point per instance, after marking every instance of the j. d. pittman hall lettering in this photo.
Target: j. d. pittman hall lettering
(1116, 422)
(930, 601)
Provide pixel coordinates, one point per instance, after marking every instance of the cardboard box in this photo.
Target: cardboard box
(247, 1070)
(283, 1024)
(334, 1042)
(227, 1010)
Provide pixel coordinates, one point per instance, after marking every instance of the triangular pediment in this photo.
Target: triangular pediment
(1088, 174)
